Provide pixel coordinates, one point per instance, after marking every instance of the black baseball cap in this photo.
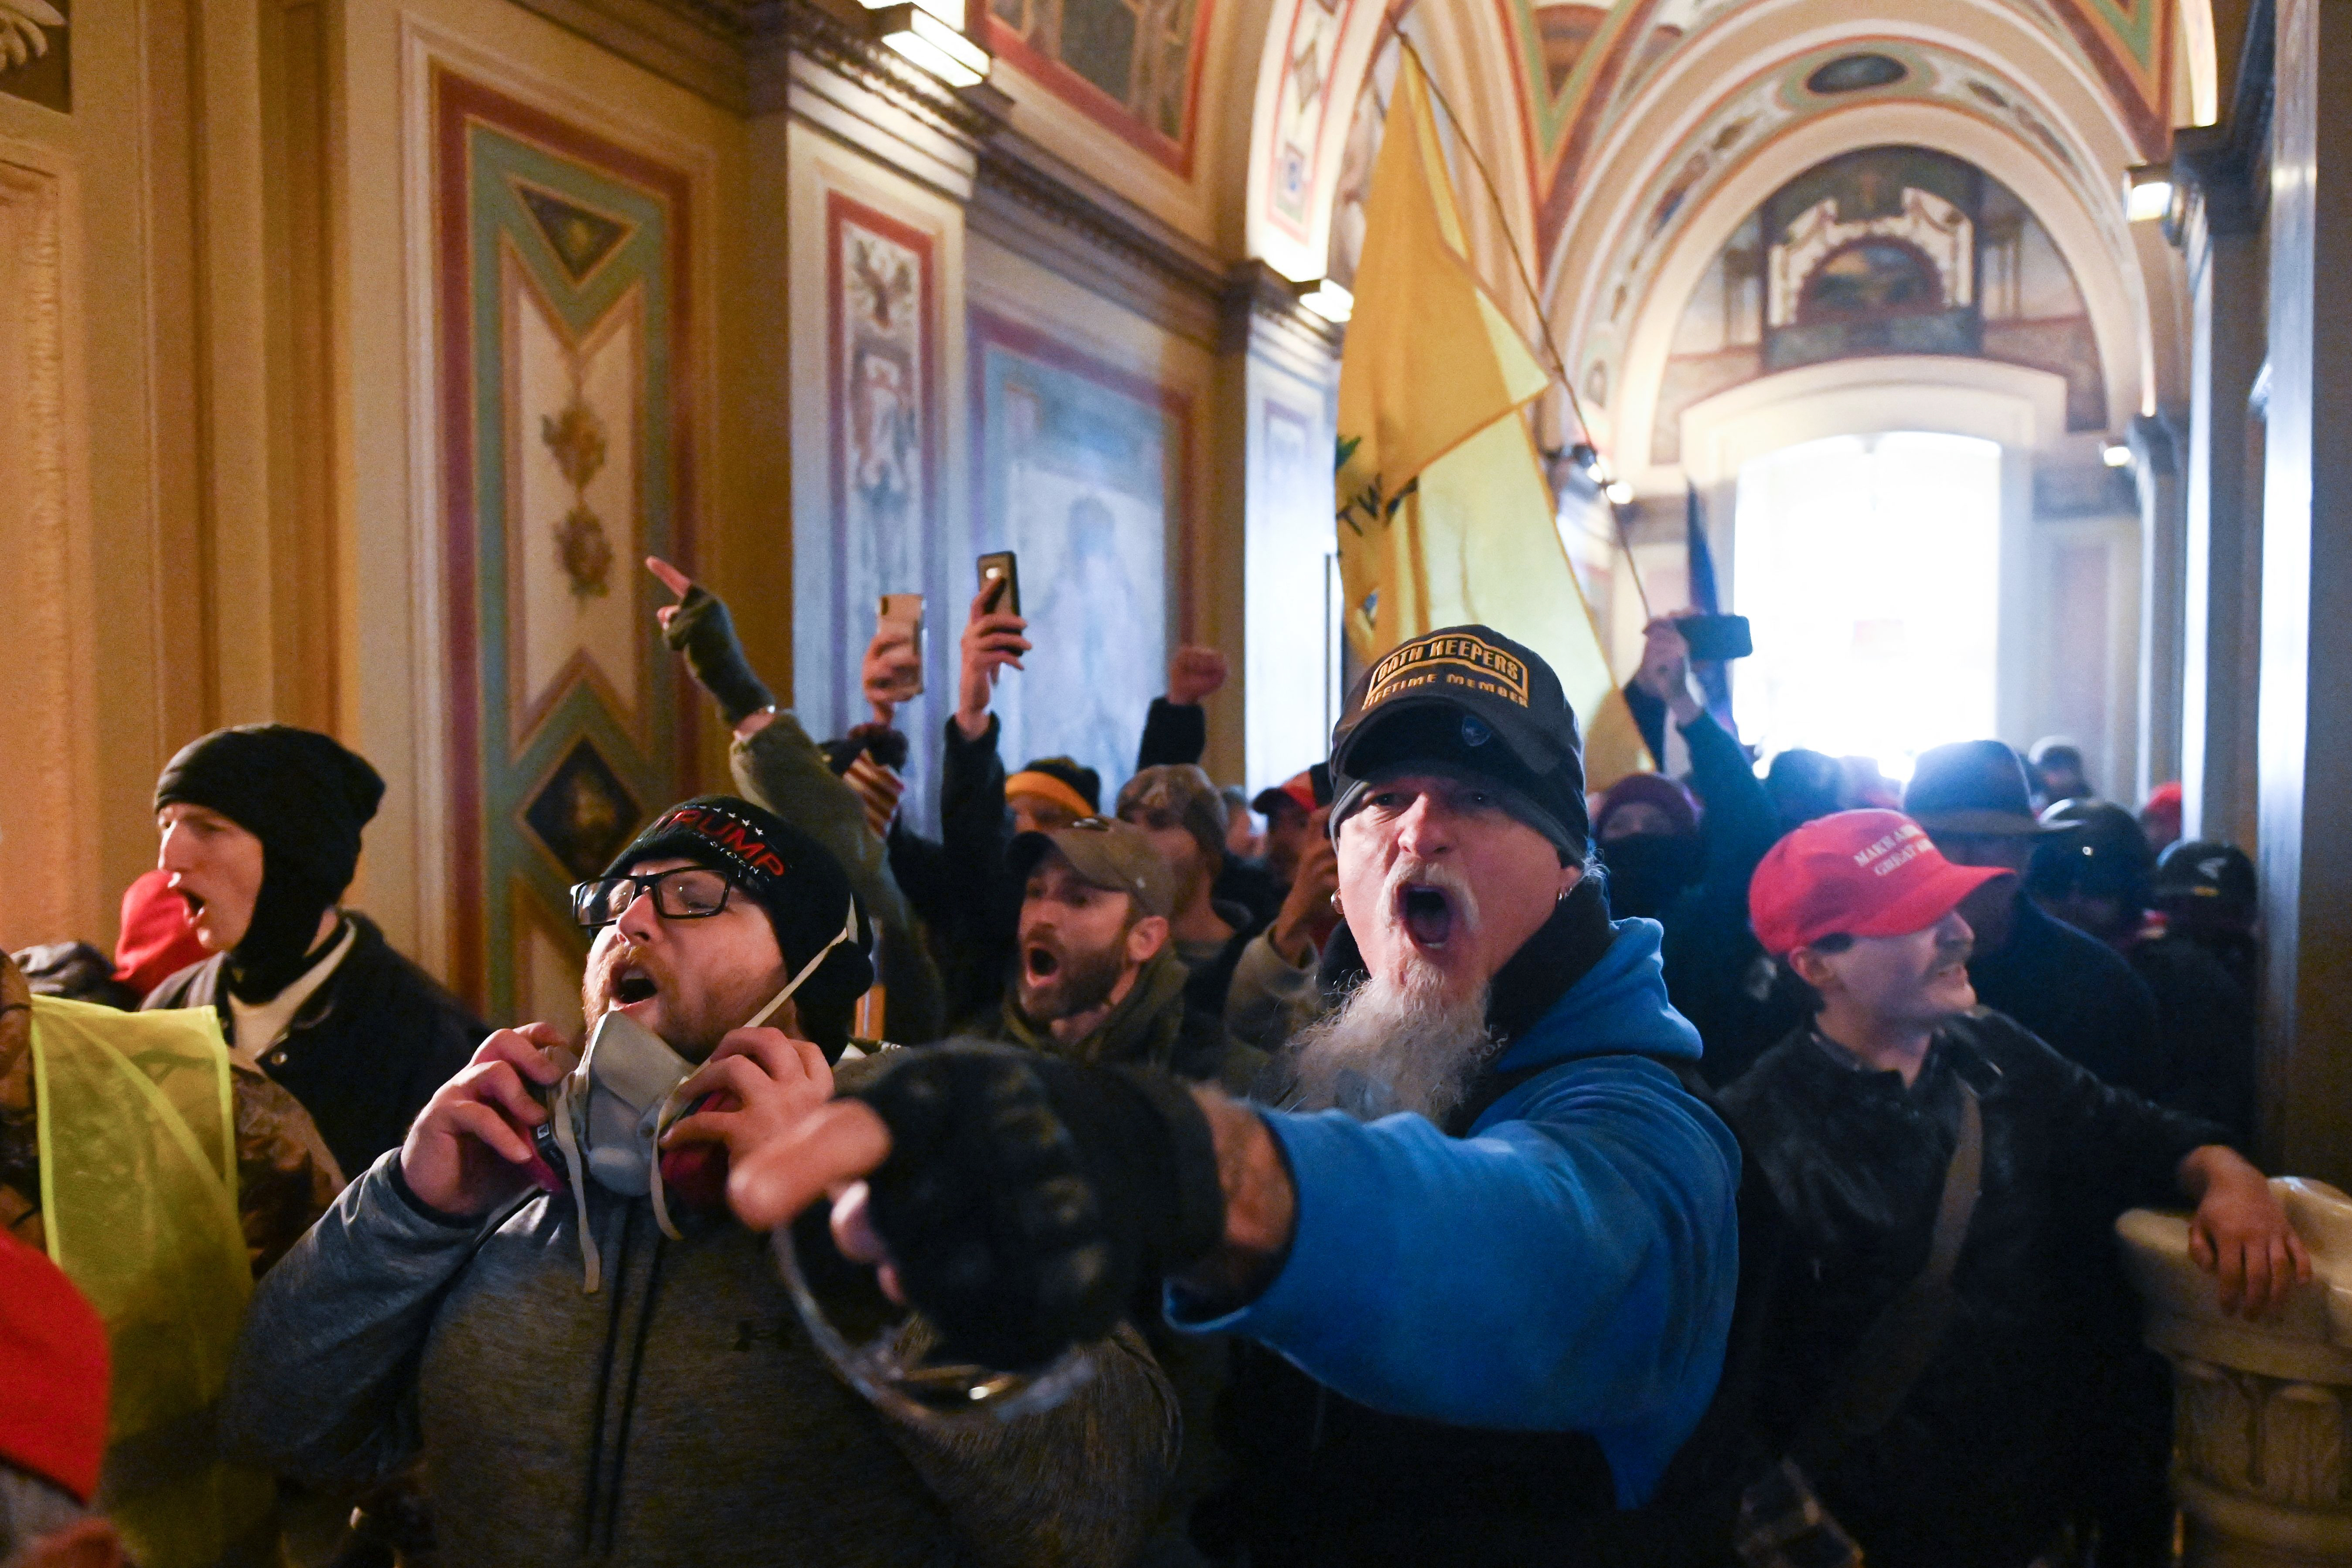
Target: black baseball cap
(1466, 701)
(2203, 869)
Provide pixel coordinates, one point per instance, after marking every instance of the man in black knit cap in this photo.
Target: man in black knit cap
(260, 829)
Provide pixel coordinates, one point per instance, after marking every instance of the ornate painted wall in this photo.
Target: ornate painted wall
(1133, 67)
(889, 525)
(1883, 250)
(564, 306)
(1578, 73)
(1084, 469)
(873, 262)
(37, 52)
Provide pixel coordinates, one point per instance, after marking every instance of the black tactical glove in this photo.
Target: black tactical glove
(1027, 1199)
(705, 633)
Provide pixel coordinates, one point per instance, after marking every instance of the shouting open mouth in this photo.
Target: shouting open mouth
(1427, 913)
(632, 985)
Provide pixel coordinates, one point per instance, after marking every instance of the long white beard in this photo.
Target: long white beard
(1390, 1047)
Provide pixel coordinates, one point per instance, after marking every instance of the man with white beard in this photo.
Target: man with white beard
(1488, 1245)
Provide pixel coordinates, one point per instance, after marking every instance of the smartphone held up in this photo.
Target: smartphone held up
(900, 624)
(1000, 578)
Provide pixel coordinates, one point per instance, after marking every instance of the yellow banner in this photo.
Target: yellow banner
(1445, 514)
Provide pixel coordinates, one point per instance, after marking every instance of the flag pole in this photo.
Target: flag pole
(1534, 298)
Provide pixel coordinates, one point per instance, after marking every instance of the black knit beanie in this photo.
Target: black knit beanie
(306, 798)
(792, 875)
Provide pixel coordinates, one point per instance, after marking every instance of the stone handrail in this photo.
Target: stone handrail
(2263, 1451)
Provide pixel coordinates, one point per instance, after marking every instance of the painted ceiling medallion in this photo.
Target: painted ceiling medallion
(581, 239)
(584, 813)
(1855, 73)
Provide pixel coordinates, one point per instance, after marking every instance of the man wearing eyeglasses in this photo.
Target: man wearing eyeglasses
(539, 1292)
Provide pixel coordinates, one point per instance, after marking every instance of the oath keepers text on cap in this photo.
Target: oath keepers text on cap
(1411, 667)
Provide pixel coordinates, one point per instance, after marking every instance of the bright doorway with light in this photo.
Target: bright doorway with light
(1869, 566)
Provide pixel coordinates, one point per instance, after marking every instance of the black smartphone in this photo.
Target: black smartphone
(999, 574)
(1713, 638)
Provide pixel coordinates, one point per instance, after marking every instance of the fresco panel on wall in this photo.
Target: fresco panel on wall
(563, 310)
(1133, 66)
(1082, 469)
(888, 535)
(37, 52)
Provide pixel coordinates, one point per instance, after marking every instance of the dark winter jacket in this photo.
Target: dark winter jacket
(1717, 975)
(2205, 1031)
(1213, 973)
(2072, 991)
(365, 1052)
(957, 884)
(1982, 1461)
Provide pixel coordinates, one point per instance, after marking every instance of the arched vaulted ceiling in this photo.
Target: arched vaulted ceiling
(1628, 141)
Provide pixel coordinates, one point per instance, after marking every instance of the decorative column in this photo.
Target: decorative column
(2261, 1412)
(2304, 738)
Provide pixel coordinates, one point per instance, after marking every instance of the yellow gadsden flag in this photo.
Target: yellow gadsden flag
(1444, 516)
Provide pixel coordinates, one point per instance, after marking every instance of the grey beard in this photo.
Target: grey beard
(1390, 1048)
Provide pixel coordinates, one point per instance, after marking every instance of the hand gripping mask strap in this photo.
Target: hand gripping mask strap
(671, 1107)
(574, 1129)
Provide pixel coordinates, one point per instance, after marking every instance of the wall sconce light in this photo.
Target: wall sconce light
(2147, 192)
(2116, 455)
(931, 36)
(1328, 300)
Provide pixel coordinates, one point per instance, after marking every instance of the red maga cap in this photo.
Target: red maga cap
(1859, 873)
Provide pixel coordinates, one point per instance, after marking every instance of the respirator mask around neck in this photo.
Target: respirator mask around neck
(606, 1117)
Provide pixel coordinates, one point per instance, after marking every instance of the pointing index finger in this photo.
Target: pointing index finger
(675, 581)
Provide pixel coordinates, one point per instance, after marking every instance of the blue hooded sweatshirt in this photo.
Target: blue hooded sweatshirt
(1570, 1265)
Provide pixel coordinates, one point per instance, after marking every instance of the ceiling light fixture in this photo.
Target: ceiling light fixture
(2147, 192)
(1329, 301)
(920, 33)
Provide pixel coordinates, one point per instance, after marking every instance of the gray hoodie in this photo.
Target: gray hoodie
(679, 1416)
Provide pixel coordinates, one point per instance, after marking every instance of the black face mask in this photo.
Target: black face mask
(276, 948)
(1647, 870)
